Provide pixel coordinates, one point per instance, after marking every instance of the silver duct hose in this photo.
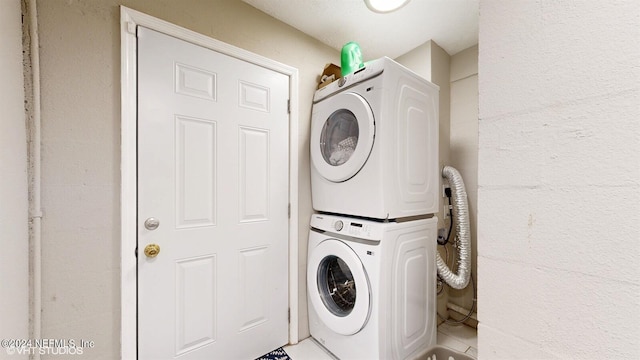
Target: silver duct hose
(461, 279)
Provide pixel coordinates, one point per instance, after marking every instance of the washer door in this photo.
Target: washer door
(338, 287)
(342, 132)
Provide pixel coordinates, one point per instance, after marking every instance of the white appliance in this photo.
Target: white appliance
(374, 144)
(371, 286)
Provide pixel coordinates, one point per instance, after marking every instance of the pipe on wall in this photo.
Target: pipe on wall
(35, 213)
(458, 280)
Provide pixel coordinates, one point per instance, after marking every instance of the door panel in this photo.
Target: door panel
(195, 172)
(254, 174)
(212, 141)
(195, 292)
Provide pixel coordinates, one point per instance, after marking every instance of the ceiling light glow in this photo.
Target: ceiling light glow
(385, 6)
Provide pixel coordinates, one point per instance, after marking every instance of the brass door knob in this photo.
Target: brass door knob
(152, 250)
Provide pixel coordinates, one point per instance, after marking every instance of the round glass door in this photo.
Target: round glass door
(339, 137)
(342, 134)
(338, 287)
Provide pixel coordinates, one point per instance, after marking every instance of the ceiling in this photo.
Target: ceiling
(452, 24)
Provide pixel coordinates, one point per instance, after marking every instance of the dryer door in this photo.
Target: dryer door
(338, 287)
(342, 132)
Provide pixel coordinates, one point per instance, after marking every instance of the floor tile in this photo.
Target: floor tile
(460, 338)
(451, 342)
(462, 333)
(307, 349)
(472, 352)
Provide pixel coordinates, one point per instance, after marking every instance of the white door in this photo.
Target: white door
(213, 177)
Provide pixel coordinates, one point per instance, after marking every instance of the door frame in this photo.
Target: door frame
(129, 19)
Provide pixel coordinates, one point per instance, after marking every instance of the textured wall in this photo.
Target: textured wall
(559, 180)
(80, 63)
(14, 236)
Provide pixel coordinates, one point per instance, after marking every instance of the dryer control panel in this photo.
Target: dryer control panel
(371, 69)
(357, 228)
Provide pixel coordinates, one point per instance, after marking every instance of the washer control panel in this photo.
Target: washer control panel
(357, 228)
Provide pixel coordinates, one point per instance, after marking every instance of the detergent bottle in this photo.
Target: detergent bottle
(350, 58)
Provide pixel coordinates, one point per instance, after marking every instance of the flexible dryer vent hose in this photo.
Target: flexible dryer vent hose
(463, 232)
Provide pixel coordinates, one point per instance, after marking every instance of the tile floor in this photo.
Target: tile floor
(460, 338)
(456, 337)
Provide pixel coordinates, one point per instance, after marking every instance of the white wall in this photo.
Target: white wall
(463, 151)
(418, 60)
(80, 69)
(14, 236)
(559, 180)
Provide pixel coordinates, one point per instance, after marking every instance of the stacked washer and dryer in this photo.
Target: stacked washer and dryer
(375, 186)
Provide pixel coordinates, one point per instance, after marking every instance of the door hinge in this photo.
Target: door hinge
(288, 106)
(289, 314)
(289, 210)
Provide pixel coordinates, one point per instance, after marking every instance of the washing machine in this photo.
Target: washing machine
(374, 144)
(372, 286)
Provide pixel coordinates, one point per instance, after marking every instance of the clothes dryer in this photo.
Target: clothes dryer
(371, 286)
(374, 144)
